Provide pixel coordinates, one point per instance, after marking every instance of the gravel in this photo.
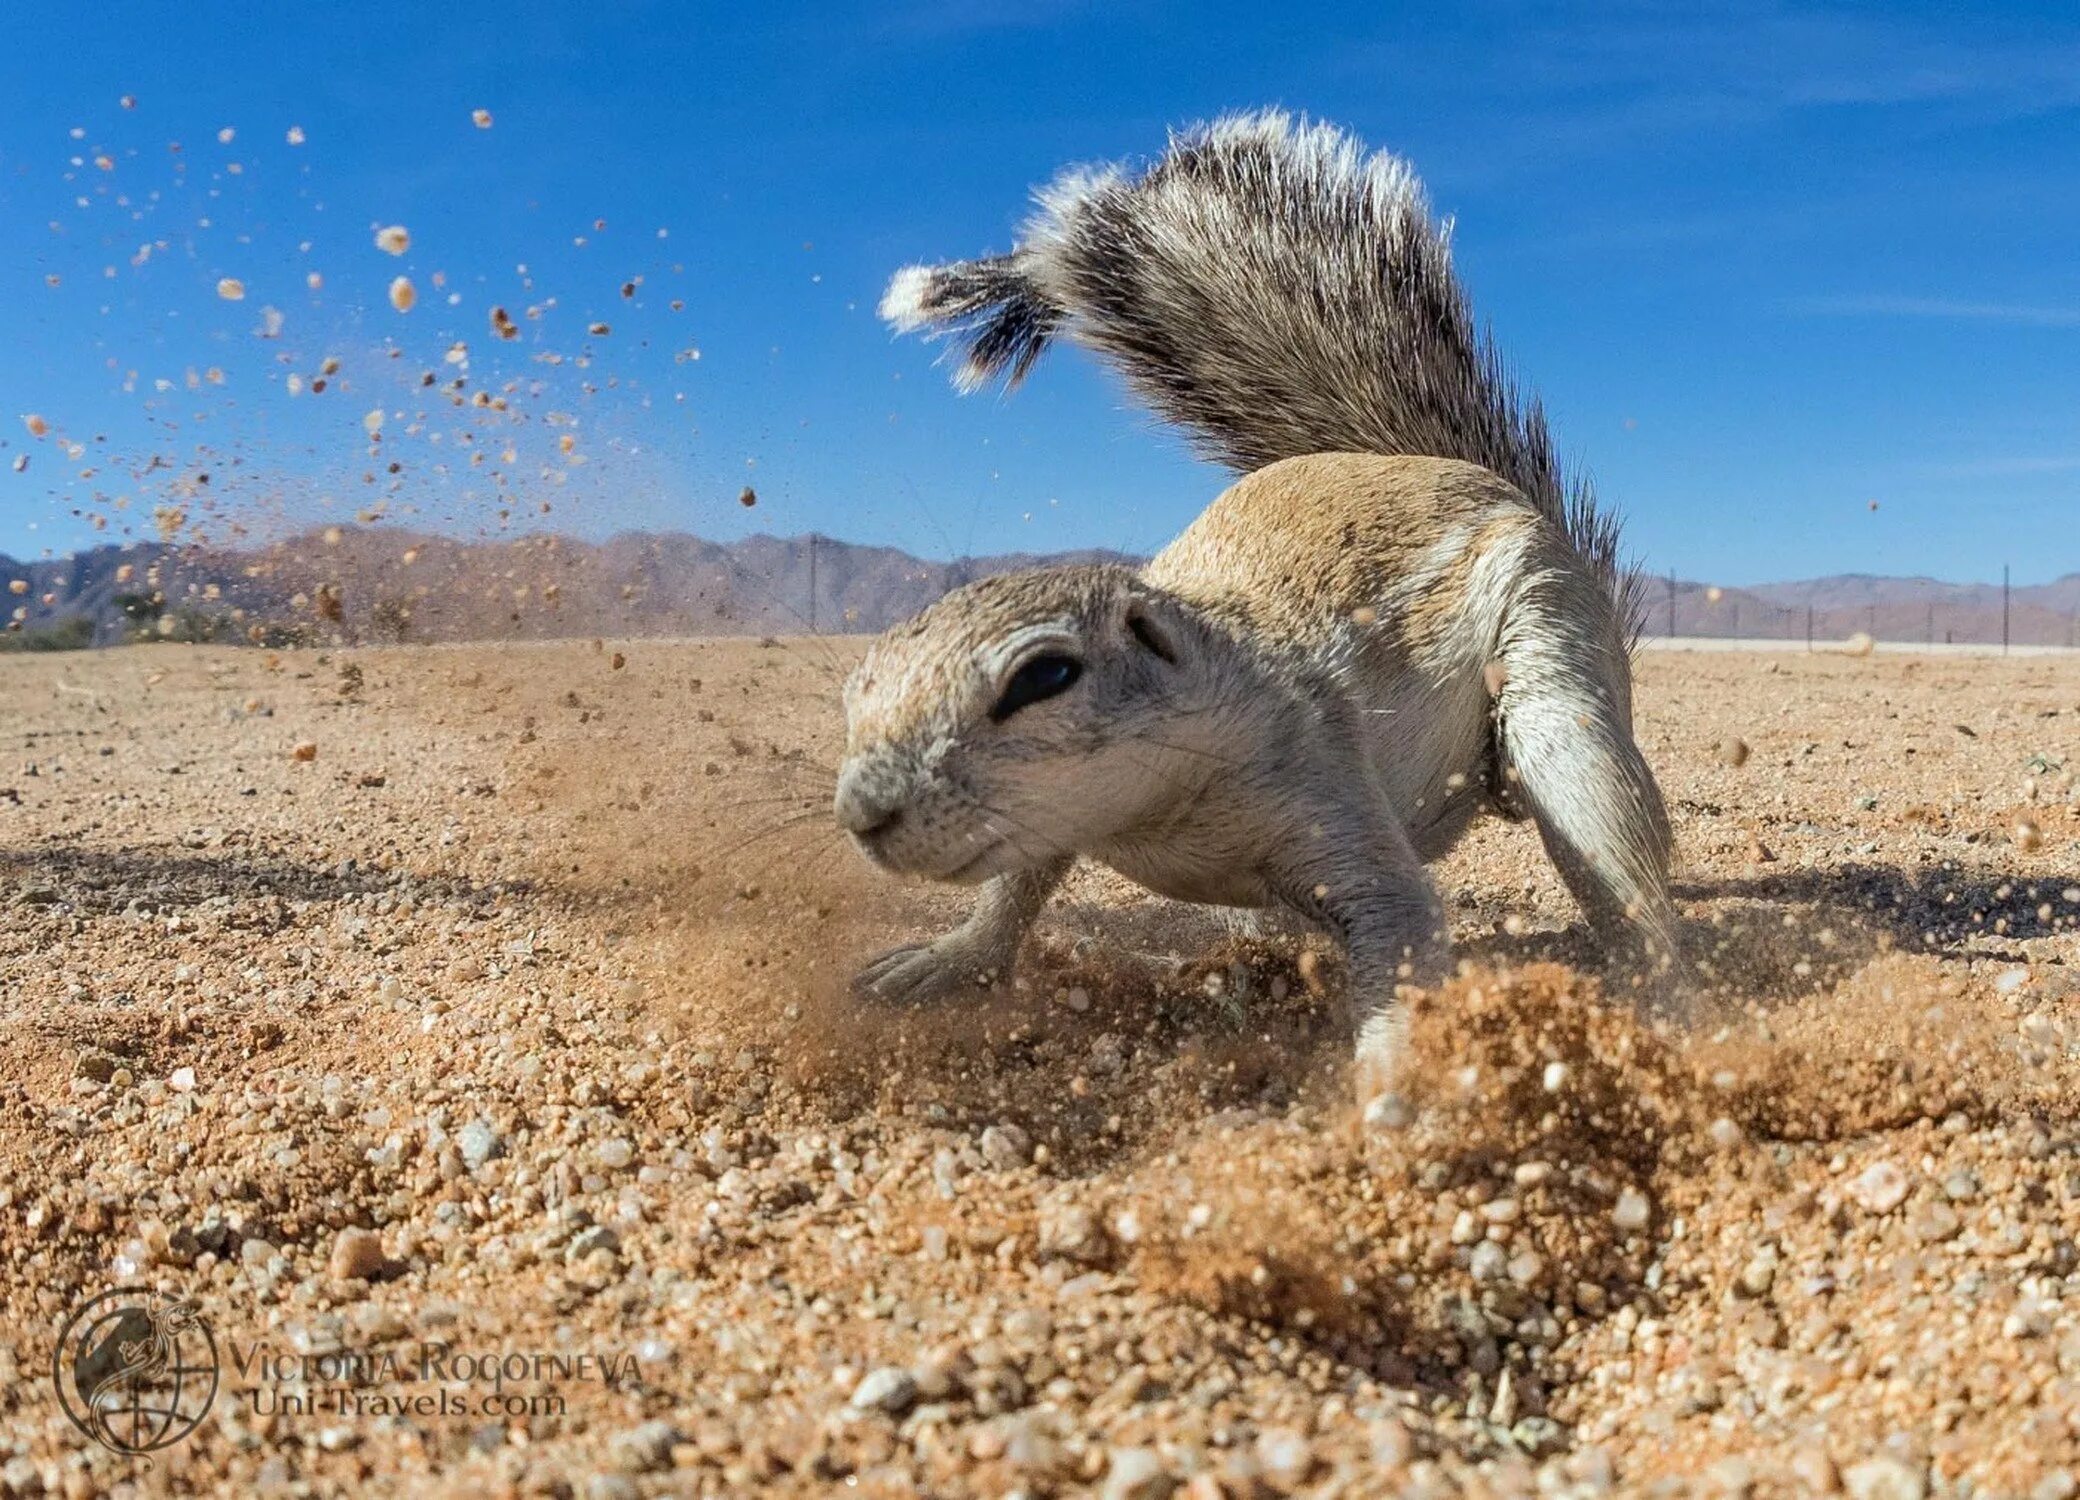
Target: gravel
(467, 1030)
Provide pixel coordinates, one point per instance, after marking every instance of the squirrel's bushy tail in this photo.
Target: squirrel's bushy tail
(1273, 289)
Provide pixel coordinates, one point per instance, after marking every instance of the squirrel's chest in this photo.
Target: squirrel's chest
(1207, 871)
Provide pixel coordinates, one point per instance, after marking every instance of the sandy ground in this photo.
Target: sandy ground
(510, 1021)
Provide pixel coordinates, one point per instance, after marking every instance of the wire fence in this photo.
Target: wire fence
(1984, 615)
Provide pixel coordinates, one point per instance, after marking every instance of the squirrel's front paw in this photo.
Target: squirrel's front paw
(917, 972)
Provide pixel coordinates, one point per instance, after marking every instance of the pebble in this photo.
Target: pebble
(598, 1239)
(1814, 1468)
(890, 1389)
(1880, 1187)
(1285, 1455)
(1503, 1409)
(1732, 1475)
(479, 1143)
(1733, 751)
(643, 1449)
(1135, 1474)
(1960, 1187)
(1029, 1447)
(1489, 1262)
(1006, 1147)
(1885, 1478)
(1633, 1211)
(2059, 1484)
(1392, 1444)
(616, 1153)
(1539, 1436)
(1933, 1221)
(356, 1255)
(1074, 1232)
(2029, 1321)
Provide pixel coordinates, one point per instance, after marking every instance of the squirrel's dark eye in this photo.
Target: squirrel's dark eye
(1041, 678)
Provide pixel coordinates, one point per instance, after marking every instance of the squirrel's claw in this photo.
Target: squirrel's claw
(919, 972)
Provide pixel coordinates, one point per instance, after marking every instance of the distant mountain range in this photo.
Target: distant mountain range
(385, 584)
(1889, 609)
(378, 584)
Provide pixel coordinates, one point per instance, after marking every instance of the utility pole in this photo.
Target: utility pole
(812, 583)
(1809, 627)
(2004, 609)
(1671, 603)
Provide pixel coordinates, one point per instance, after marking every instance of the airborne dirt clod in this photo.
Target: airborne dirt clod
(496, 998)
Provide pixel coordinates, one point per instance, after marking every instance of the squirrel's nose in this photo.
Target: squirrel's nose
(864, 809)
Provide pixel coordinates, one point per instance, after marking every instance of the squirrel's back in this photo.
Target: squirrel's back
(1274, 290)
(1295, 551)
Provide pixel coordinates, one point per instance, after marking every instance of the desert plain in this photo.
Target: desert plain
(492, 1000)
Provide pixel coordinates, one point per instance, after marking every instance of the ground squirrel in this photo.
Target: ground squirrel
(1401, 615)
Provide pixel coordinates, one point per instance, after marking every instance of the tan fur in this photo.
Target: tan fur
(1301, 545)
(1317, 687)
(1313, 720)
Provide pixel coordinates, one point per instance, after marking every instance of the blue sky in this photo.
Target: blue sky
(1766, 263)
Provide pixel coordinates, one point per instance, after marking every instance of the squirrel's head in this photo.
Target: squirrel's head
(1019, 718)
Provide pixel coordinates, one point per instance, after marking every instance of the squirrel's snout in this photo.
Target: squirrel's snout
(865, 809)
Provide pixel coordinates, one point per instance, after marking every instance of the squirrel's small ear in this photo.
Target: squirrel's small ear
(1154, 634)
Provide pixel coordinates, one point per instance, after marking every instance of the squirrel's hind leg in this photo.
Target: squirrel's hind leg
(1571, 759)
(982, 950)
